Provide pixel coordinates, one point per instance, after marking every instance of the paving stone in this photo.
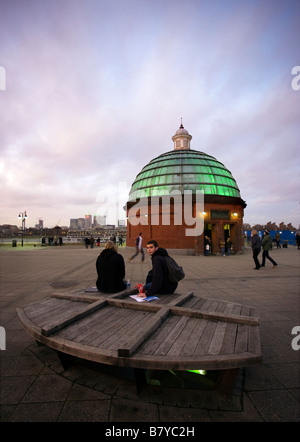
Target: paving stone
(123, 410)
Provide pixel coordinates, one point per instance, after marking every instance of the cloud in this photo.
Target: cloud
(95, 90)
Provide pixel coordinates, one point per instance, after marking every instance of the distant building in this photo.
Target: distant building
(74, 223)
(88, 221)
(81, 223)
(40, 225)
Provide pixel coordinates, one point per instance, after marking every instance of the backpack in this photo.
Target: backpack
(175, 272)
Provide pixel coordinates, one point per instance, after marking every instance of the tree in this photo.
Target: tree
(271, 226)
(291, 228)
(258, 227)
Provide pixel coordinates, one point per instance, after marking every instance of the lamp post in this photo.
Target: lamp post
(23, 216)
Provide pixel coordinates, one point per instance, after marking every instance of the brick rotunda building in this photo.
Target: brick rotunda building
(184, 170)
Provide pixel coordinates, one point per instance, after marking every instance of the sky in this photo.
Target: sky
(91, 91)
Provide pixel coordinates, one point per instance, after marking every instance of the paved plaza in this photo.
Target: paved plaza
(35, 387)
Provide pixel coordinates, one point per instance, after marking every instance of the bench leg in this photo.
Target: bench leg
(65, 360)
(39, 344)
(226, 381)
(140, 379)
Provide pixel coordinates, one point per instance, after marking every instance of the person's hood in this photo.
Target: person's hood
(161, 252)
(106, 253)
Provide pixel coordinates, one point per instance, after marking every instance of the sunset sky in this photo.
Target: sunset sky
(91, 91)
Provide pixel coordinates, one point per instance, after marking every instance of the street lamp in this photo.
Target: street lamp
(23, 216)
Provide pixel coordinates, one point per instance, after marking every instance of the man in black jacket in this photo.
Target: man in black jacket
(157, 279)
(256, 247)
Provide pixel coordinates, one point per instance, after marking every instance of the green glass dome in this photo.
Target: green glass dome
(184, 169)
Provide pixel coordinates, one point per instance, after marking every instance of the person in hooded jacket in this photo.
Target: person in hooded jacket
(157, 282)
(256, 247)
(110, 269)
(267, 246)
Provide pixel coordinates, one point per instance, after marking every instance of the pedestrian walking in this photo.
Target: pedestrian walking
(267, 246)
(139, 248)
(256, 248)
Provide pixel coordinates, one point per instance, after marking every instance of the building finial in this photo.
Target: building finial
(181, 138)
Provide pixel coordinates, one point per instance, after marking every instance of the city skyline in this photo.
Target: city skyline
(90, 92)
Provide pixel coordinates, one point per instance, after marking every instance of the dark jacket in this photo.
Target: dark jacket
(111, 271)
(256, 242)
(267, 242)
(160, 281)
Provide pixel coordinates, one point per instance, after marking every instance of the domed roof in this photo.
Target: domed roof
(181, 131)
(184, 169)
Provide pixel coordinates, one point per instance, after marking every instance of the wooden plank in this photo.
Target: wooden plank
(236, 309)
(57, 314)
(222, 306)
(229, 339)
(44, 308)
(185, 336)
(148, 327)
(86, 325)
(241, 343)
(134, 305)
(95, 297)
(207, 362)
(149, 346)
(116, 337)
(245, 311)
(180, 299)
(214, 316)
(105, 326)
(76, 297)
(205, 305)
(254, 341)
(204, 341)
(214, 306)
(58, 325)
(189, 348)
(217, 339)
(174, 333)
(124, 294)
(32, 328)
(130, 328)
(194, 303)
